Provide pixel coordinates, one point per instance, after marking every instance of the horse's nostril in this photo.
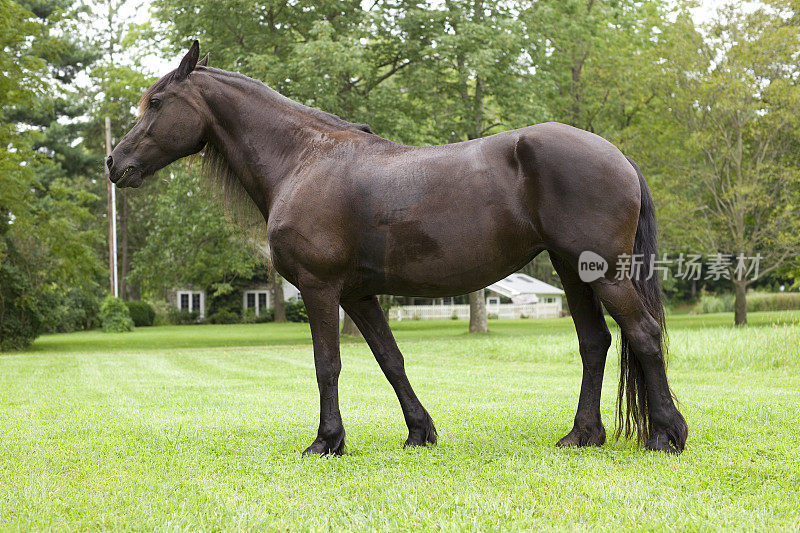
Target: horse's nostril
(109, 162)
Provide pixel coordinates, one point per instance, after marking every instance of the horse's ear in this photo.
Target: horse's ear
(203, 62)
(189, 61)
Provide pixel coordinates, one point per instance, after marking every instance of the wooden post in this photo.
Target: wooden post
(112, 221)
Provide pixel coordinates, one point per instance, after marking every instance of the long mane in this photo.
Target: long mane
(239, 206)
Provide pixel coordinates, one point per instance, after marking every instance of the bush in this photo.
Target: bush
(296, 311)
(267, 315)
(142, 313)
(20, 309)
(715, 304)
(114, 315)
(179, 317)
(778, 301)
(756, 301)
(223, 317)
(76, 309)
(249, 316)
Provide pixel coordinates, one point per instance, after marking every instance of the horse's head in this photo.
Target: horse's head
(171, 126)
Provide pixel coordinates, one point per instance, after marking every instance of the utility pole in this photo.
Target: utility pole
(112, 221)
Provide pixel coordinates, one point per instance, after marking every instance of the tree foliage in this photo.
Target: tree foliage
(47, 235)
(709, 111)
(734, 101)
(189, 240)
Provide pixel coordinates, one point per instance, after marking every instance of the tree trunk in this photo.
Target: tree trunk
(278, 305)
(740, 303)
(478, 321)
(349, 327)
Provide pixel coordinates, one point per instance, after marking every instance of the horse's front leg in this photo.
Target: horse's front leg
(322, 306)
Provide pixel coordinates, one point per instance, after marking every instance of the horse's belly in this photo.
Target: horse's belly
(448, 255)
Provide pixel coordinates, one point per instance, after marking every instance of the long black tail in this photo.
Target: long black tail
(632, 412)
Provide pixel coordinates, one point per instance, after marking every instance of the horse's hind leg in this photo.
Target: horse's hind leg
(369, 317)
(594, 340)
(653, 410)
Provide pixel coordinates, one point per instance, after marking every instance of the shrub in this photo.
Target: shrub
(249, 316)
(756, 301)
(20, 309)
(778, 301)
(296, 311)
(492, 316)
(114, 315)
(715, 304)
(180, 317)
(74, 310)
(161, 308)
(223, 317)
(267, 315)
(142, 313)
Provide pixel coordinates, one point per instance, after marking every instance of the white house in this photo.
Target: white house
(259, 297)
(523, 289)
(256, 296)
(530, 298)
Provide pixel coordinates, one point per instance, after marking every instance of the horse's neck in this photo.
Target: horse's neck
(253, 131)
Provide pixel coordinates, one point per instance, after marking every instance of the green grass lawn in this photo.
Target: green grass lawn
(201, 427)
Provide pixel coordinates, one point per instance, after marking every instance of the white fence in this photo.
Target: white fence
(440, 312)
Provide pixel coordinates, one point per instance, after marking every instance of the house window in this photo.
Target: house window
(549, 300)
(492, 300)
(192, 301)
(257, 300)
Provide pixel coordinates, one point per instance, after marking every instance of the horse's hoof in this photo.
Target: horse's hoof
(669, 439)
(595, 436)
(661, 443)
(321, 447)
(422, 436)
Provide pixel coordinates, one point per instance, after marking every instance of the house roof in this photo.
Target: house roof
(519, 284)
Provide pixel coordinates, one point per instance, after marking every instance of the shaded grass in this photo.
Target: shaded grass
(201, 427)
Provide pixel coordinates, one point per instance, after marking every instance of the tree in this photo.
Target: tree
(279, 306)
(594, 60)
(117, 83)
(341, 56)
(46, 244)
(190, 242)
(349, 327)
(735, 100)
(475, 82)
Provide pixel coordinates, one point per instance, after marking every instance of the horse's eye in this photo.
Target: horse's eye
(154, 103)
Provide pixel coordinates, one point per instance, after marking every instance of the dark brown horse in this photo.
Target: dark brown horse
(350, 215)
